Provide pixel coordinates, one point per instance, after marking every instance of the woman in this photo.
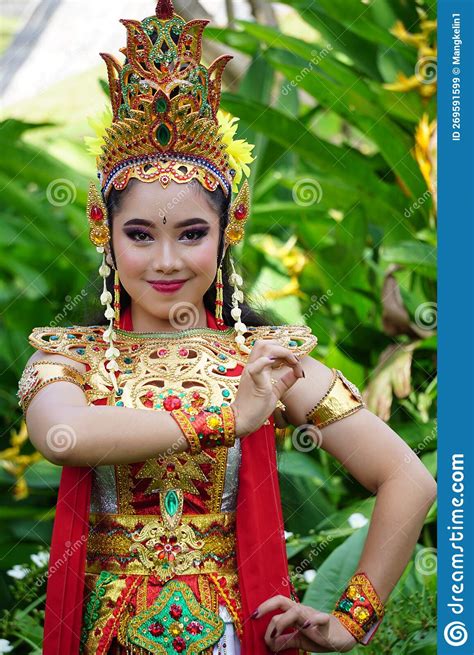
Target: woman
(168, 534)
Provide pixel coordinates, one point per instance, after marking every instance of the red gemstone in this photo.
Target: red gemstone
(170, 468)
(156, 629)
(176, 611)
(183, 352)
(240, 212)
(96, 213)
(162, 352)
(171, 402)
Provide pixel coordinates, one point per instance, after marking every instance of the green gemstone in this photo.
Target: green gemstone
(160, 106)
(226, 393)
(163, 135)
(171, 502)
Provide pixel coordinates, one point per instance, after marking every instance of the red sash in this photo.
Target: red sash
(261, 553)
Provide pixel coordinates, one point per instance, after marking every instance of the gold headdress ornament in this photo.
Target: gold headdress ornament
(165, 124)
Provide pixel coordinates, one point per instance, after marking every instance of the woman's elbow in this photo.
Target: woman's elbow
(56, 441)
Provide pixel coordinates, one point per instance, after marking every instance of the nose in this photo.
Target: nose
(166, 256)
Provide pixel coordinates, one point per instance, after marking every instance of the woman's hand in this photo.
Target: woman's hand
(257, 396)
(324, 633)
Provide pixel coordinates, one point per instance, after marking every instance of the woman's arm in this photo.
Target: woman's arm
(69, 432)
(384, 464)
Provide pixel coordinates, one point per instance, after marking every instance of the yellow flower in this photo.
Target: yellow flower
(238, 149)
(99, 124)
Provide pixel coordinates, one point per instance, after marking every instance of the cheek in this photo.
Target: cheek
(204, 258)
(130, 259)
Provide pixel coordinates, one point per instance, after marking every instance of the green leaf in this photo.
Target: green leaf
(332, 576)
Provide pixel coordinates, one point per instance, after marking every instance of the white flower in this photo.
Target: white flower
(309, 575)
(5, 646)
(18, 571)
(357, 520)
(288, 535)
(40, 559)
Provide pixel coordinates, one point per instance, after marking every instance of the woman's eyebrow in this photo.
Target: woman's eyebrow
(185, 223)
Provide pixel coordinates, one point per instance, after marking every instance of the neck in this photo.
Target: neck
(182, 316)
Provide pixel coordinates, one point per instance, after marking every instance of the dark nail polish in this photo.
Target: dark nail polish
(254, 614)
(306, 624)
(304, 374)
(274, 631)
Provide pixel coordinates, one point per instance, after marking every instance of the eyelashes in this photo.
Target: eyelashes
(197, 235)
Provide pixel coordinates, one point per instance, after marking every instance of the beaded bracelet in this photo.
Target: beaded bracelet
(214, 426)
(359, 608)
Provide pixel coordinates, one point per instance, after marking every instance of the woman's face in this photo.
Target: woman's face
(163, 235)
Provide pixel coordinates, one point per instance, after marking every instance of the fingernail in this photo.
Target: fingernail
(254, 614)
(303, 374)
(274, 631)
(306, 624)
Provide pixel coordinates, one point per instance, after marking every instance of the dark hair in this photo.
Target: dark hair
(220, 203)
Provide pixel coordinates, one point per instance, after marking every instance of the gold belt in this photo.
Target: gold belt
(144, 545)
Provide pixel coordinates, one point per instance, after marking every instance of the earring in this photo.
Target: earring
(99, 234)
(234, 233)
(116, 299)
(219, 297)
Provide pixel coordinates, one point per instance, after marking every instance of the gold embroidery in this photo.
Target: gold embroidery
(142, 545)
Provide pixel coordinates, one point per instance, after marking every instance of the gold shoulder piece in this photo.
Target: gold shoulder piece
(342, 399)
(72, 342)
(41, 373)
(298, 338)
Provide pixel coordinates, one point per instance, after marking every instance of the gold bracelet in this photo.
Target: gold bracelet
(359, 608)
(341, 399)
(39, 374)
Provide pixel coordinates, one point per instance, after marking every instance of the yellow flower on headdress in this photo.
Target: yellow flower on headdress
(238, 149)
(99, 124)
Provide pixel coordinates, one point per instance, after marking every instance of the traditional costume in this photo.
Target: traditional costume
(173, 554)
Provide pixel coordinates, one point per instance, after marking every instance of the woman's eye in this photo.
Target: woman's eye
(138, 235)
(194, 235)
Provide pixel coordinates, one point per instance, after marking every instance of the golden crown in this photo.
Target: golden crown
(165, 121)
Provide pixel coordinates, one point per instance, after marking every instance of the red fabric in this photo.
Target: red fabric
(261, 554)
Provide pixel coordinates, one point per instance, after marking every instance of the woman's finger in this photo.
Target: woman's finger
(295, 616)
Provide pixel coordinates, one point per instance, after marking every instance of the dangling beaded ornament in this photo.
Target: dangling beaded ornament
(238, 296)
(99, 234)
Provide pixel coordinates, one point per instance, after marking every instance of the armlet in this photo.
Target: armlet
(38, 374)
(342, 399)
